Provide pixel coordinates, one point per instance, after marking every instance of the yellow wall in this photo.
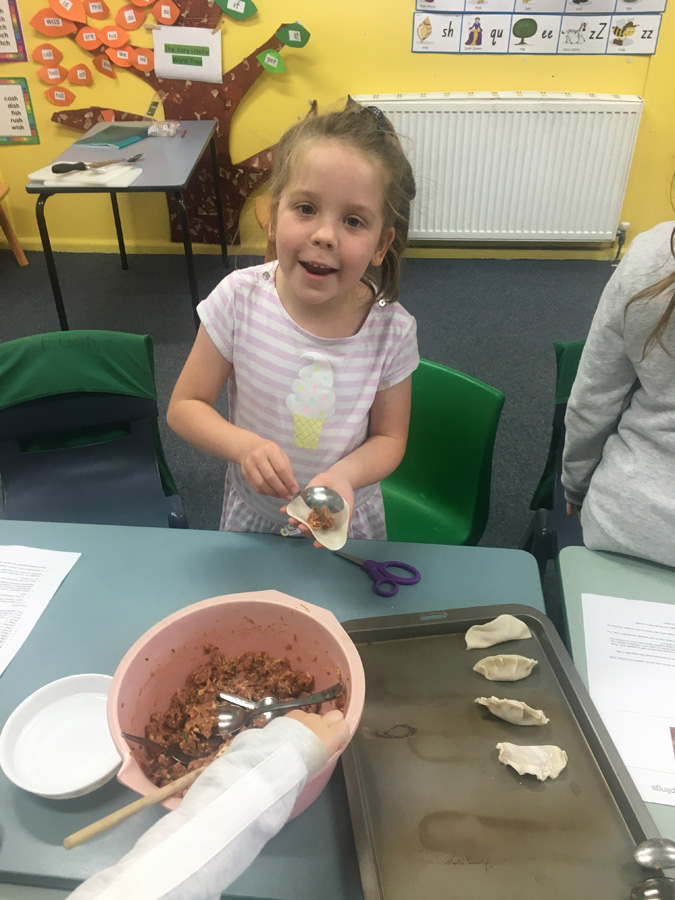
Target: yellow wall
(356, 47)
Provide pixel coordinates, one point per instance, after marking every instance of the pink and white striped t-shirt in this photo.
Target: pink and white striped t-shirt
(310, 395)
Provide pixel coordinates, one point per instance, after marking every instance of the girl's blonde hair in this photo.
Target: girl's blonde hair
(366, 129)
(656, 335)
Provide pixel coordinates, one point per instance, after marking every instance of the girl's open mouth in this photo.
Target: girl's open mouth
(316, 269)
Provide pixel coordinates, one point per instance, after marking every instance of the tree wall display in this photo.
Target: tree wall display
(181, 99)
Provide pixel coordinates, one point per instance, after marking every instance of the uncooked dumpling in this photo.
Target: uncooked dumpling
(514, 711)
(503, 628)
(545, 761)
(333, 538)
(508, 667)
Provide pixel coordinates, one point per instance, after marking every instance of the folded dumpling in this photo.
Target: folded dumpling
(514, 711)
(544, 761)
(508, 667)
(503, 628)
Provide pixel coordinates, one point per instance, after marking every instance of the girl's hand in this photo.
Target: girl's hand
(571, 509)
(268, 470)
(330, 728)
(339, 484)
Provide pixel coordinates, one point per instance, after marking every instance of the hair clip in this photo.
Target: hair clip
(379, 116)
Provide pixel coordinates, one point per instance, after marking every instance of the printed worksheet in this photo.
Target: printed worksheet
(29, 578)
(630, 650)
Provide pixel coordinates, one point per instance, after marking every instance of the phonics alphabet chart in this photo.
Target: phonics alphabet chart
(17, 122)
(582, 27)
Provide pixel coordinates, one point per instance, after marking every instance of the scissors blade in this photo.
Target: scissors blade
(354, 559)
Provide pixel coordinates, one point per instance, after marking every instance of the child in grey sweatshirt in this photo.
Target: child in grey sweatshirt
(619, 456)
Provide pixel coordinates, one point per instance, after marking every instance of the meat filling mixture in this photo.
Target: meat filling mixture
(320, 519)
(192, 714)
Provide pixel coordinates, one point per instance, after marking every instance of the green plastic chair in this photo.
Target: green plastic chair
(79, 439)
(440, 494)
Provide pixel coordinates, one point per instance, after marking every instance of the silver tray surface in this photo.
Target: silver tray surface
(435, 814)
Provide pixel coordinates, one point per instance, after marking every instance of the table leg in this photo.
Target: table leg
(219, 202)
(49, 259)
(118, 229)
(189, 259)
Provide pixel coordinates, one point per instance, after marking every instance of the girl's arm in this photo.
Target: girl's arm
(603, 385)
(193, 416)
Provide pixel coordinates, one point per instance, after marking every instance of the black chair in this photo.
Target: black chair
(551, 528)
(76, 455)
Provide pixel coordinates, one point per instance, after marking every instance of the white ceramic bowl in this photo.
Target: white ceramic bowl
(57, 743)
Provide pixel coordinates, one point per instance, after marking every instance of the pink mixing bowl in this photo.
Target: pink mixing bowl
(158, 663)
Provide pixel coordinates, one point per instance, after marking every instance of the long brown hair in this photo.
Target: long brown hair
(656, 335)
(367, 130)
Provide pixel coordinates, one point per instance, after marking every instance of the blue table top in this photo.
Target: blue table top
(129, 578)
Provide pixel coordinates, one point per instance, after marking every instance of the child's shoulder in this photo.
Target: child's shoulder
(250, 276)
(393, 316)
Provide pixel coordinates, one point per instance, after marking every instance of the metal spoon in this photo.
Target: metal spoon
(655, 853)
(318, 495)
(654, 889)
(232, 717)
(172, 750)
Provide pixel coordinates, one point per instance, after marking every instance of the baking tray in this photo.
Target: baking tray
(436, 815)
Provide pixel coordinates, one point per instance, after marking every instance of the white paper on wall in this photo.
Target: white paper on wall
(436, 33)
(193, 54)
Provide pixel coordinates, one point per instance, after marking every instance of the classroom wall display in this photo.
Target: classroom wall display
(12, 46)
(188, 53)
(17, 122)
(111, 47)
(491, 28)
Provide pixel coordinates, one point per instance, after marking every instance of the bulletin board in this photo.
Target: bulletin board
(17, 121)
(559, 27)
(12, 46)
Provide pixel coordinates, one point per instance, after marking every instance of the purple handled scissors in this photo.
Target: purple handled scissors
(382, 575)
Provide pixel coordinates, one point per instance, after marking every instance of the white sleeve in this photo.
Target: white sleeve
(604, 382)
(223, 822)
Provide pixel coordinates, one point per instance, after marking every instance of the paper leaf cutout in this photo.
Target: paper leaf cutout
(293, 35)
(113, 36)
(142, 59)
(88, 38)
(48, 23)
(104, 66)
(143, 3)
(130, 17)
(47, 54)
(97, 9)
(70, 9)
(80, 74)
(120, 56)
(52, 74)
(238, 9)
(59, 96)
(270, 60)
(165, 11)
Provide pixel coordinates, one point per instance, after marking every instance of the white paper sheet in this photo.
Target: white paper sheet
(193, 54)
(630, 650)
(29, 578)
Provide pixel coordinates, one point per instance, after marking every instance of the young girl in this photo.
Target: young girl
(620, 424)
(317, 355)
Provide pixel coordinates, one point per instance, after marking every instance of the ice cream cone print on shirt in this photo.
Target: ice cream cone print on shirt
(312, 401)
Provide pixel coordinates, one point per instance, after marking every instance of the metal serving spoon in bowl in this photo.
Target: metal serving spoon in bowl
(172, 750)
(238, 712)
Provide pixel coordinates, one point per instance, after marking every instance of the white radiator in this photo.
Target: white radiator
(524, 166)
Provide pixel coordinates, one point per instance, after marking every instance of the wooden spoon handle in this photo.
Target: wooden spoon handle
(79, 837)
